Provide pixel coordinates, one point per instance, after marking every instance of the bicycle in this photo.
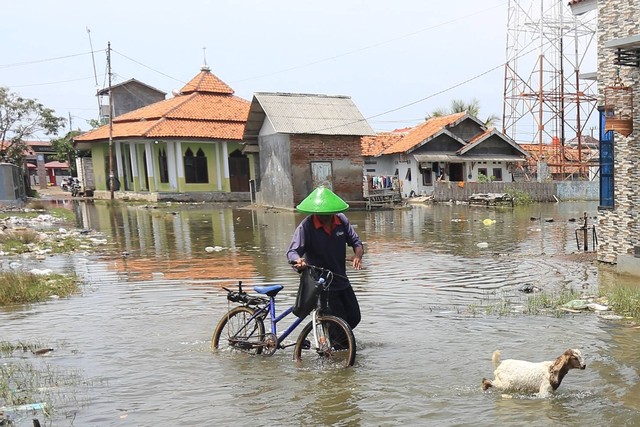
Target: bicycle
(326, 339)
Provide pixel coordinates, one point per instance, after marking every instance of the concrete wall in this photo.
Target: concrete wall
(12, 188)
(276, 188)
(133, 96)
(578, 190)
(619, 228)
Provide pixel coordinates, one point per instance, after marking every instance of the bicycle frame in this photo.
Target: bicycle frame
(274, 319)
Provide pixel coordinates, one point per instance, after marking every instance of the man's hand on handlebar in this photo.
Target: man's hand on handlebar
(300, 264)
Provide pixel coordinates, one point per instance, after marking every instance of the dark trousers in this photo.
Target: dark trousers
(343, 304)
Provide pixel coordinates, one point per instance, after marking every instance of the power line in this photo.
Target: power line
(146, 66)
(364, 48)
(53, 83)
(39, 61)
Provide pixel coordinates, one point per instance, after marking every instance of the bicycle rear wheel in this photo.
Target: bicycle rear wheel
(238, 331)
(335, 346)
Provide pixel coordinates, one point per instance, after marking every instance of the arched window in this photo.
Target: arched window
(195, 167)
(162, 164)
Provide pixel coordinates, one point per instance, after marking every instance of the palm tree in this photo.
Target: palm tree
(459, 106)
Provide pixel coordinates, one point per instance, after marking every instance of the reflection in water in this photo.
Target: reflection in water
(141, 330)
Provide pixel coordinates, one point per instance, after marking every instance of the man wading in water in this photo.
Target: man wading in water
(321, 239)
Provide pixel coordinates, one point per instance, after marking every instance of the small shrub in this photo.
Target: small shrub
(520, 198)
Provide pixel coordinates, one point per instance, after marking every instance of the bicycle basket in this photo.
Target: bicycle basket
(308, 293)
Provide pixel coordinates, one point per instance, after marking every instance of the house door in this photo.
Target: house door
(456, 171)
(322, 174)
(238, 172)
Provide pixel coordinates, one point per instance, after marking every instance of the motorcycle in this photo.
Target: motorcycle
(75, 188)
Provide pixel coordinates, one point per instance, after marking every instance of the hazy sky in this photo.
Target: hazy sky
(398, 60)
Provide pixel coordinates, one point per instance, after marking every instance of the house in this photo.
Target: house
(300, 141)
(457, 147)
(41, 165)
(183, 148)
(128, 96)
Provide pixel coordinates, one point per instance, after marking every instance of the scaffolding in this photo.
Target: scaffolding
(546, 97)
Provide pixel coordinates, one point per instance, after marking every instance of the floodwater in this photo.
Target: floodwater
(138, 338)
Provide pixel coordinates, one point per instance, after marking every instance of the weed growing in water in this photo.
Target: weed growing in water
(625, 301)
(34, 380)
(22, 287)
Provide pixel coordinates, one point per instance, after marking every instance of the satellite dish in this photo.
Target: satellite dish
(176, 92)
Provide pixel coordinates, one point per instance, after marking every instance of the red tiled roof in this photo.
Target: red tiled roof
(206, 82)
(423, 132)
(206, 108)
(374, 145)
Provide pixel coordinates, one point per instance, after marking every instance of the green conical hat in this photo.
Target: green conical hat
(322, 201)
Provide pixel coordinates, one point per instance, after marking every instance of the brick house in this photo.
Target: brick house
(619, 106)
(300, 141)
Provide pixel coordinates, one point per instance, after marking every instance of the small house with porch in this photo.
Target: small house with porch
(184, 148)
(300, 141)
(455, 148)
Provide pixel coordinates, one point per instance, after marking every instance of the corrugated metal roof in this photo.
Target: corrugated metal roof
(313, 114)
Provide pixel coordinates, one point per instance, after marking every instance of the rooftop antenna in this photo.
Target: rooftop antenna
(95, 73)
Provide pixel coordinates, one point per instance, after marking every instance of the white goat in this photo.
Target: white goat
(528, 377)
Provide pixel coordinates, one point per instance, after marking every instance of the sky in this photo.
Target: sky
(398, 61)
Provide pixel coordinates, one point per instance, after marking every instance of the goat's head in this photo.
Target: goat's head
(574, 359)
(570, 359)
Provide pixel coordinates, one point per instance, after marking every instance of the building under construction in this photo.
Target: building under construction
(550, 91)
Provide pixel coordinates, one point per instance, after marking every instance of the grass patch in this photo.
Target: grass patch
(29, 379)
(544, 302)
(39, 208)
(64, 214)
(22, 288)
(624, 301)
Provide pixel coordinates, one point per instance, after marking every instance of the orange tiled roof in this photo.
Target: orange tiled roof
(423, 132)
(206, 108)
(374, 145)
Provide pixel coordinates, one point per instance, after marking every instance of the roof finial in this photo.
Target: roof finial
(205, 67)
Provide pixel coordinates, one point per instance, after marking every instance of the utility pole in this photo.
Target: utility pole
(110, 123)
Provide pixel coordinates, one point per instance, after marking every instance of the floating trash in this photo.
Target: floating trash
(489, 221)
(576, 304)
(597, 307)
(482, 245)
(39, 272)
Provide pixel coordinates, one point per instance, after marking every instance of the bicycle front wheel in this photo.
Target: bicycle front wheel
(332, 344)
(237, 330)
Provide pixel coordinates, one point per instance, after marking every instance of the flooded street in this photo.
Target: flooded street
(139, 335)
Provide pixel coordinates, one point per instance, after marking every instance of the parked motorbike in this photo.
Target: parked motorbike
(65, 184)
(76, 188)
(68, 183)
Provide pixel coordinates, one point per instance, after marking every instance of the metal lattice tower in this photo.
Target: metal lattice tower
(546, 98)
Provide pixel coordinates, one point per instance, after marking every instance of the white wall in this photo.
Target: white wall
(490, 166)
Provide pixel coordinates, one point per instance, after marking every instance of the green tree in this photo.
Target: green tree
(65, 152)
(459, 106)
(20, 119)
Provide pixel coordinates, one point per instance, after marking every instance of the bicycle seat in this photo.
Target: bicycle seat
(270, 290)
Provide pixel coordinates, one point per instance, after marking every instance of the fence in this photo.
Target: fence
(447, 191)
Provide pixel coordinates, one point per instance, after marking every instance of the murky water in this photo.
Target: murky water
(139, 335)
